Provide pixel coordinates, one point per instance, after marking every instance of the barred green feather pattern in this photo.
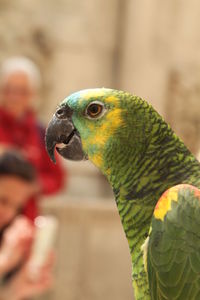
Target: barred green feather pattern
(153, 160)
(174, 249)
(141, 157)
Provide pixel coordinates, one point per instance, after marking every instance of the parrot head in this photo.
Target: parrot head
(100, 125)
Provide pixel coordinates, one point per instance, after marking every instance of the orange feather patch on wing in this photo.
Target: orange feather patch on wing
(164, 203)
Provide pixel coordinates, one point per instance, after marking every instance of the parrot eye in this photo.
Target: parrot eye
(95, 110)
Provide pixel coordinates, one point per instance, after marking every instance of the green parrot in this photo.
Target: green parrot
(155, 180)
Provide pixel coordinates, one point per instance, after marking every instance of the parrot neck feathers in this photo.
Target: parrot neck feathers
(139, 179)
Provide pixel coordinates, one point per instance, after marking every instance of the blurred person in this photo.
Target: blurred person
(17, 184)
(19, 85)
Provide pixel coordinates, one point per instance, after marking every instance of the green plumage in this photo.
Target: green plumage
(174, 250)
(142, 158)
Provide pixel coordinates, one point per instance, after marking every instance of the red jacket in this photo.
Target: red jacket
(28, 136)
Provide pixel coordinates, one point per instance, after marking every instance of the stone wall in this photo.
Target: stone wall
(93, 260)
(150, 48)
(160, 60)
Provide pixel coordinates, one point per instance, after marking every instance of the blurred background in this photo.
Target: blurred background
(149, 48)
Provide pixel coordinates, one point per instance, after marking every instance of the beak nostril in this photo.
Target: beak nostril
(60, 113)
(64, 112)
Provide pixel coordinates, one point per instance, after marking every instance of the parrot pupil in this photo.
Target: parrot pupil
(94, 110)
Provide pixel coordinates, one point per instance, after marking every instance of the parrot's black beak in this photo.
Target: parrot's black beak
(62, 135)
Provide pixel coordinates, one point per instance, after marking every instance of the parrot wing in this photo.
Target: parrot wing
(173, 253)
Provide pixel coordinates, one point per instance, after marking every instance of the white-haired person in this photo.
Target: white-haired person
(20, 82)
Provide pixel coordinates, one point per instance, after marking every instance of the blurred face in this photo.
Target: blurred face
(16, 93)
(13, 195)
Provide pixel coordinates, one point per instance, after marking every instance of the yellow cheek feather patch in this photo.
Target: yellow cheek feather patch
(102, 132)
(106, 129)
(97, 160)
(164, 203)
(111, 122)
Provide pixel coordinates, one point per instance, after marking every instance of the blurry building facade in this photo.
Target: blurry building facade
(149, 48)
